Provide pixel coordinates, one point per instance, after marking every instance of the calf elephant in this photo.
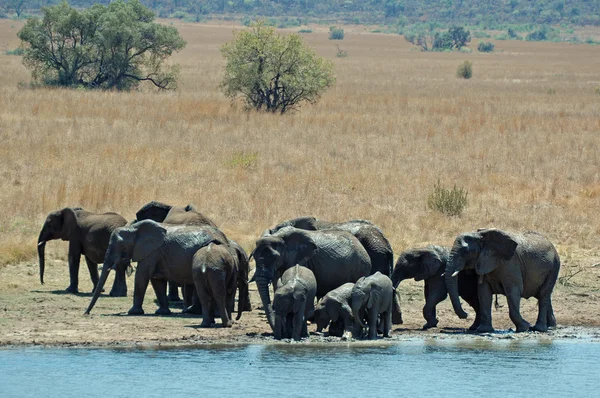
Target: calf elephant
(429, 264)
(88, 234)
(334, 310)
(514, 264)
(215, 269)
(163, 252)
(294, 302)
(335, 257)
(368, 234)
(374, 295)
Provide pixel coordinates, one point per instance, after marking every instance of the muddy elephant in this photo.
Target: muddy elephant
(162, 252)
(514, 264)
(215, 274)
(372, 296)
(188, 215)
(368, 234)
(294, 302)
(88, 234)
(334, 310)
(335, 257)
(428, 264)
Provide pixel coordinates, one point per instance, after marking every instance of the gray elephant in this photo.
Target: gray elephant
(429, 264)
(368, 234)
(88, 234)
(294, 302)
(163, 252)
(334, 310)
(215, 269)
(372, 297)
(514, 264)
(335, 257)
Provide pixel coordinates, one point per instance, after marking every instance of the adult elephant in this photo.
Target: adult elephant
(163, 252)
(514, 264)
(88, 234)
(368, 234)
(428, 264)
(335, 257)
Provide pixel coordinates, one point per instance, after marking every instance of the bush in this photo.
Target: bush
(450, 202)
(273, 72)
(465, 70)
(485, 47)
(336, 33)
(537, 35)
(341, 53)
(16, 51)
(305, 31)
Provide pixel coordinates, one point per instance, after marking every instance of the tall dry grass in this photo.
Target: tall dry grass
(373, 147)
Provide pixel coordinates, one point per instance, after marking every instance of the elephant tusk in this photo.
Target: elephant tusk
(41, 243)
(455, 273)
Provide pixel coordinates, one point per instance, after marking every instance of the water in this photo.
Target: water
(455, 368)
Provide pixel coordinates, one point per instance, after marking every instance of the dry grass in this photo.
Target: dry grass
(397, 121)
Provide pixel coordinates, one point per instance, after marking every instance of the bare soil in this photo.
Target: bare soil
(34, 314)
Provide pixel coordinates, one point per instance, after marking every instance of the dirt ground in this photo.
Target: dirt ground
(34, 314)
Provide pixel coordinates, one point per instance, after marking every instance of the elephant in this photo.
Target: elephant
(334, 310)
(429, 264)
(514, 264)
(335, 257)
(188, 215)
(163, 252)
(368, 234)
(373, 295)
(294, 302)
(215, 274)
(88, 234)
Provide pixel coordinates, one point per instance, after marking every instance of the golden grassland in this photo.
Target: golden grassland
(522, 137)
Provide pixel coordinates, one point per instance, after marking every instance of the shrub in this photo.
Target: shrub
(341, 53)
(537, 35)
(16, 51)
(450, 202)
(485, 47)
(336, 33)
(305, 31)
(465, 70)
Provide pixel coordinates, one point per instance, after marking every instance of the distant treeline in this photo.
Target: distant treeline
(468, 12)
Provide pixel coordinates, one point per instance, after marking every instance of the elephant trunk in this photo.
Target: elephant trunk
(41, 254)
(99, 287)
(243, 295)
(451, 280)
(262, 283)
(356, 304)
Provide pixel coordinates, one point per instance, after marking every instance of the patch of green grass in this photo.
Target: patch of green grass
(451, 202)
(243, 160)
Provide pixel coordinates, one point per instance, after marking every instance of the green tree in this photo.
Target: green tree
(115, 46)
(274, 72)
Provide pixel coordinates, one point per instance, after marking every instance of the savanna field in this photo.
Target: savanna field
(521, 137)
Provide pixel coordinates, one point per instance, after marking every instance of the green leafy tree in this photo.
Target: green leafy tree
(274, 72)
(115, 46)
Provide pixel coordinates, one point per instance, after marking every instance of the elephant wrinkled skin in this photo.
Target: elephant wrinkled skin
(334, 310)
(372, 296)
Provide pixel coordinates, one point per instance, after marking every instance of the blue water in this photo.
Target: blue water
(409, 369)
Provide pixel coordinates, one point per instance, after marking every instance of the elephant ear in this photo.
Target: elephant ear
(149, 236)
(497, 247)
(69, 222)
(156, 211)
(373, 298)
(333, 310)
(429, 264)
(307, 223)
(300, 246)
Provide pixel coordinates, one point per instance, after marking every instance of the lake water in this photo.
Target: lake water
(445, 368)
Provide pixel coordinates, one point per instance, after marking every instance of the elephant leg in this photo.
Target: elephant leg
(484, 293)
(513, 297)
(139, 289)
(74, 259)
(160, 289)
(386, 318)
(550, 320)
(119, 287)
(191, 302)
(397, 311)
(173, 291)
(204, 296)
(372, 317)
(299, 322)
(435, 293)
(93, 270)
(545, 312)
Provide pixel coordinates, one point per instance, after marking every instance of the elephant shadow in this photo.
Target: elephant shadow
(63, 293)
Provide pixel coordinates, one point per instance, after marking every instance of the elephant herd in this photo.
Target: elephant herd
(340, 276)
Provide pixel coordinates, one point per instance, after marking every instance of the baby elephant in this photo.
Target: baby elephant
(334, 310)
(428, 264)
(373, 295)
(294, 302)
(215, 270)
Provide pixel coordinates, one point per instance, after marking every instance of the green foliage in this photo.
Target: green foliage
(115, 46)
(429, 40)
(16, 51)
(485, 47)
(336, 33)
(538, 35)
(478, 34)
(450, 202)
(341, 53)
(274, 72)
(465, 70)
(305, 31)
